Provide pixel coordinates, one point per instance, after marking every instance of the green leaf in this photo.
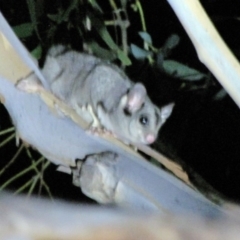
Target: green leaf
(138, 52)
(134, 7)
(172, 41)
(146, 37)
(24, 30)
(95, 5)
(107, 38)
(123, 58)
(37, 52)
(109, 41)
(220, 95)
(32, 8)
(53, 17)
(102, 31)
(182, 71)
(66, 13)
(63, 15)
(102, 52)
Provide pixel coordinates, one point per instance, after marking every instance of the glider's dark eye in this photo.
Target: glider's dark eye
(143, 120)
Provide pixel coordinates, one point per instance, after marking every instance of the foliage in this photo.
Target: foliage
(100, 36)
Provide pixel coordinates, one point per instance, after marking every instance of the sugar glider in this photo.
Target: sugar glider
(121, 106)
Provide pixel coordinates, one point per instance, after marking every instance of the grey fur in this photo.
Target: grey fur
(81, 80)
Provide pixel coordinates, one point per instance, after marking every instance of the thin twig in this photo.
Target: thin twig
(11, 129)
(5, 141)
(26, 170)
(40, 173)
(24, 186)
(123, 24)
(144, 28)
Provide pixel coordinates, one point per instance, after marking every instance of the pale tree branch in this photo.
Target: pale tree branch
(210, 47)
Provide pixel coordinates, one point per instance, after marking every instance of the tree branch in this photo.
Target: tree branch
(210, 47)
